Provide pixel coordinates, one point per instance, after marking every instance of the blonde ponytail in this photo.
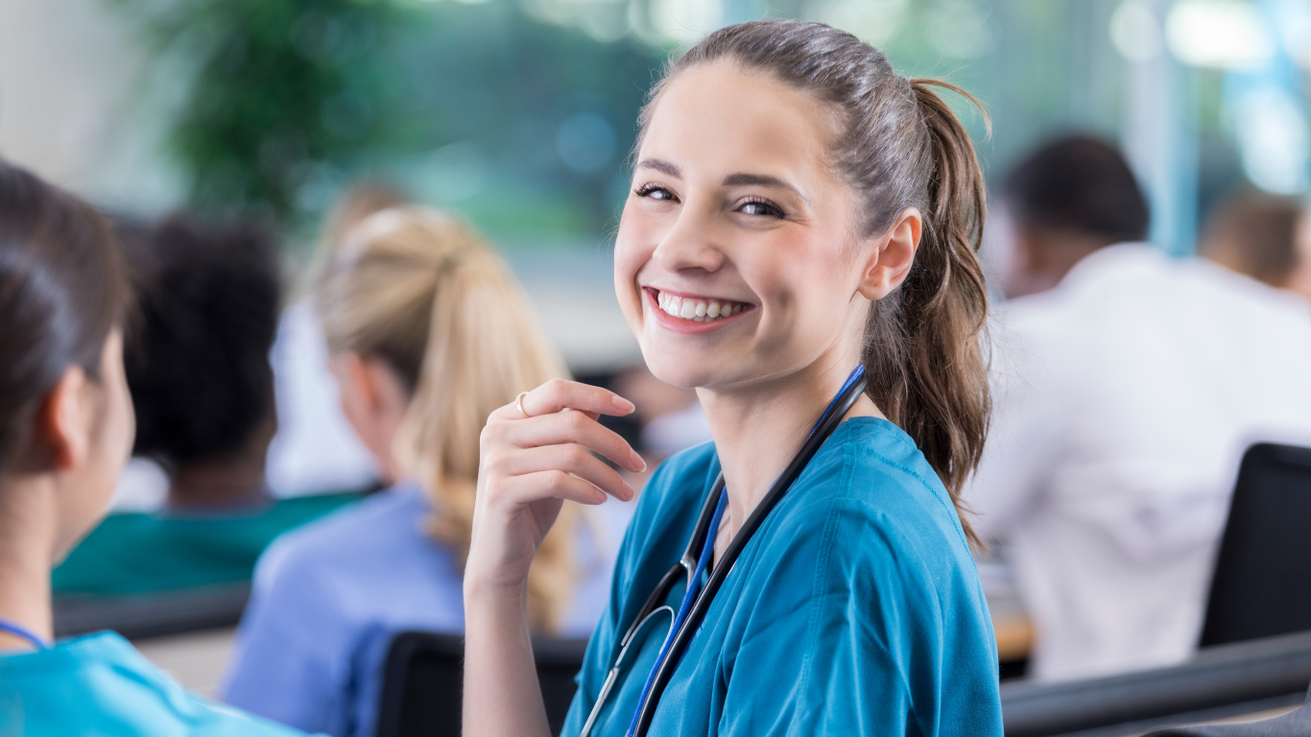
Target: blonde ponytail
(422, 292)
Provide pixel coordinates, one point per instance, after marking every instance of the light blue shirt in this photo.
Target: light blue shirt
(854, 609)
(328, 598)
(100, 686)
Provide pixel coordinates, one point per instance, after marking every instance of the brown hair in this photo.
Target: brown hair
(1255, 233)
(900, 146)
(422, 292)
(62, 290)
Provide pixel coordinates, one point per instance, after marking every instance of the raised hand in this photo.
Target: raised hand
(536, 452)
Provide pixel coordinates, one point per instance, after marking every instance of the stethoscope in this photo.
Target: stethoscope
(696, 558)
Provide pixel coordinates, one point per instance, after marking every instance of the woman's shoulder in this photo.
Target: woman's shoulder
(350, 538)
(872, 484)
(103, 673)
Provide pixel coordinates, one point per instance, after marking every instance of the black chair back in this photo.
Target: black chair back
(1262, 583)
(423, 683)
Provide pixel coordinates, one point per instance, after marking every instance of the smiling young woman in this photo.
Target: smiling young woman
(801, 233)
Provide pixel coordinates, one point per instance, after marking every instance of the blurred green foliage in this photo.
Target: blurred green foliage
(521, 125)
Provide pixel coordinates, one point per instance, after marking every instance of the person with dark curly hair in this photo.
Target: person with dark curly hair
(197, 364)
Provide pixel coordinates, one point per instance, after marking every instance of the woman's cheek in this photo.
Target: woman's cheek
(634, 244)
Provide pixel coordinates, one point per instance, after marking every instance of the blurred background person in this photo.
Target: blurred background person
(428, 333)
(668, 418)
(315, 448)
(66, 427)
(198, 369)
(1127, 386)
(1263, 236)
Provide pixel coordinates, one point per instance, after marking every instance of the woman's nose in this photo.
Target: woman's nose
(690, 244)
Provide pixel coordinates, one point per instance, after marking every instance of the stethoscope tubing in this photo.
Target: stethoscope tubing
(827, 424)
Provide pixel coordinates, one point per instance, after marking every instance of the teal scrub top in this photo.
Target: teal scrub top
(134, 553)
(100, 686)
(856, 607)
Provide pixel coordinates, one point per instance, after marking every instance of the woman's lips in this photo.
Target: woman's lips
(683, 313)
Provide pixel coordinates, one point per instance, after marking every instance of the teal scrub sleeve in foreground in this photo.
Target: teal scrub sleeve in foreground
(855, 609)
(100, 686)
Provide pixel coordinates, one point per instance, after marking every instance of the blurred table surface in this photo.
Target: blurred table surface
(196, 659)
(1012, 627)
(1010, 623)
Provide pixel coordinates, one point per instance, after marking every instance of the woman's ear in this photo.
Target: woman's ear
(374, 401)
(64, 421)
(890, 255)
(357, 392)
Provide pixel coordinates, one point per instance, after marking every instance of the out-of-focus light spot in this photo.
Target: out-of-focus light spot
(453, 172)
(685, 21)
(875, 22)
(471, 2)
(1135, 31)
(606, 23)
(1296, 31)
(1217, 33)
(1272, 137)
(320, 184)
(604, 20)
(960, 29)
(585, 142)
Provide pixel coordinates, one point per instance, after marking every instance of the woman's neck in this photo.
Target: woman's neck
(231, 483)
(758, 430)
(28, 519)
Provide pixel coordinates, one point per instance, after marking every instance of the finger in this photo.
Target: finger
(532, 487)
(559, 394)
(572, 427)
(571, 458)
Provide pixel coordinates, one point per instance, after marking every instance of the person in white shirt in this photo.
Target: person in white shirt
(1127, 385)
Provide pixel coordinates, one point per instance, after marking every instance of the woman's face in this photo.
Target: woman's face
(736, 260)
(111, 428)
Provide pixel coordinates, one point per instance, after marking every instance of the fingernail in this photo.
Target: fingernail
(623, 404)
(638, 460)
(630, 491)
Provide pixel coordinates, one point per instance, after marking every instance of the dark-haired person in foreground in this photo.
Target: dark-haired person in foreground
(66, 426)
(1263, 236)
(197, 361)
(1128, 385)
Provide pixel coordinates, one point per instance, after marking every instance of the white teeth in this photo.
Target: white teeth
(695, 309)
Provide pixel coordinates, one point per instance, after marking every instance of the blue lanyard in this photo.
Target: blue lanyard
(689, 597)
(19, 630)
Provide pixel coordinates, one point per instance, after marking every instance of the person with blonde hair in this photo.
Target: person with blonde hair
(428, 333)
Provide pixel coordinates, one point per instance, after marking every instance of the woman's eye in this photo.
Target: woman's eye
(654, 192)
(766, 209)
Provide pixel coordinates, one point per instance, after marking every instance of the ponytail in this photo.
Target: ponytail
(923, 343)
(422, 293)
(902, 147)
(483, 347)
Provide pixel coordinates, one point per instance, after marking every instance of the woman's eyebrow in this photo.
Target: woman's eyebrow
(762, 180)
(662, 166)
